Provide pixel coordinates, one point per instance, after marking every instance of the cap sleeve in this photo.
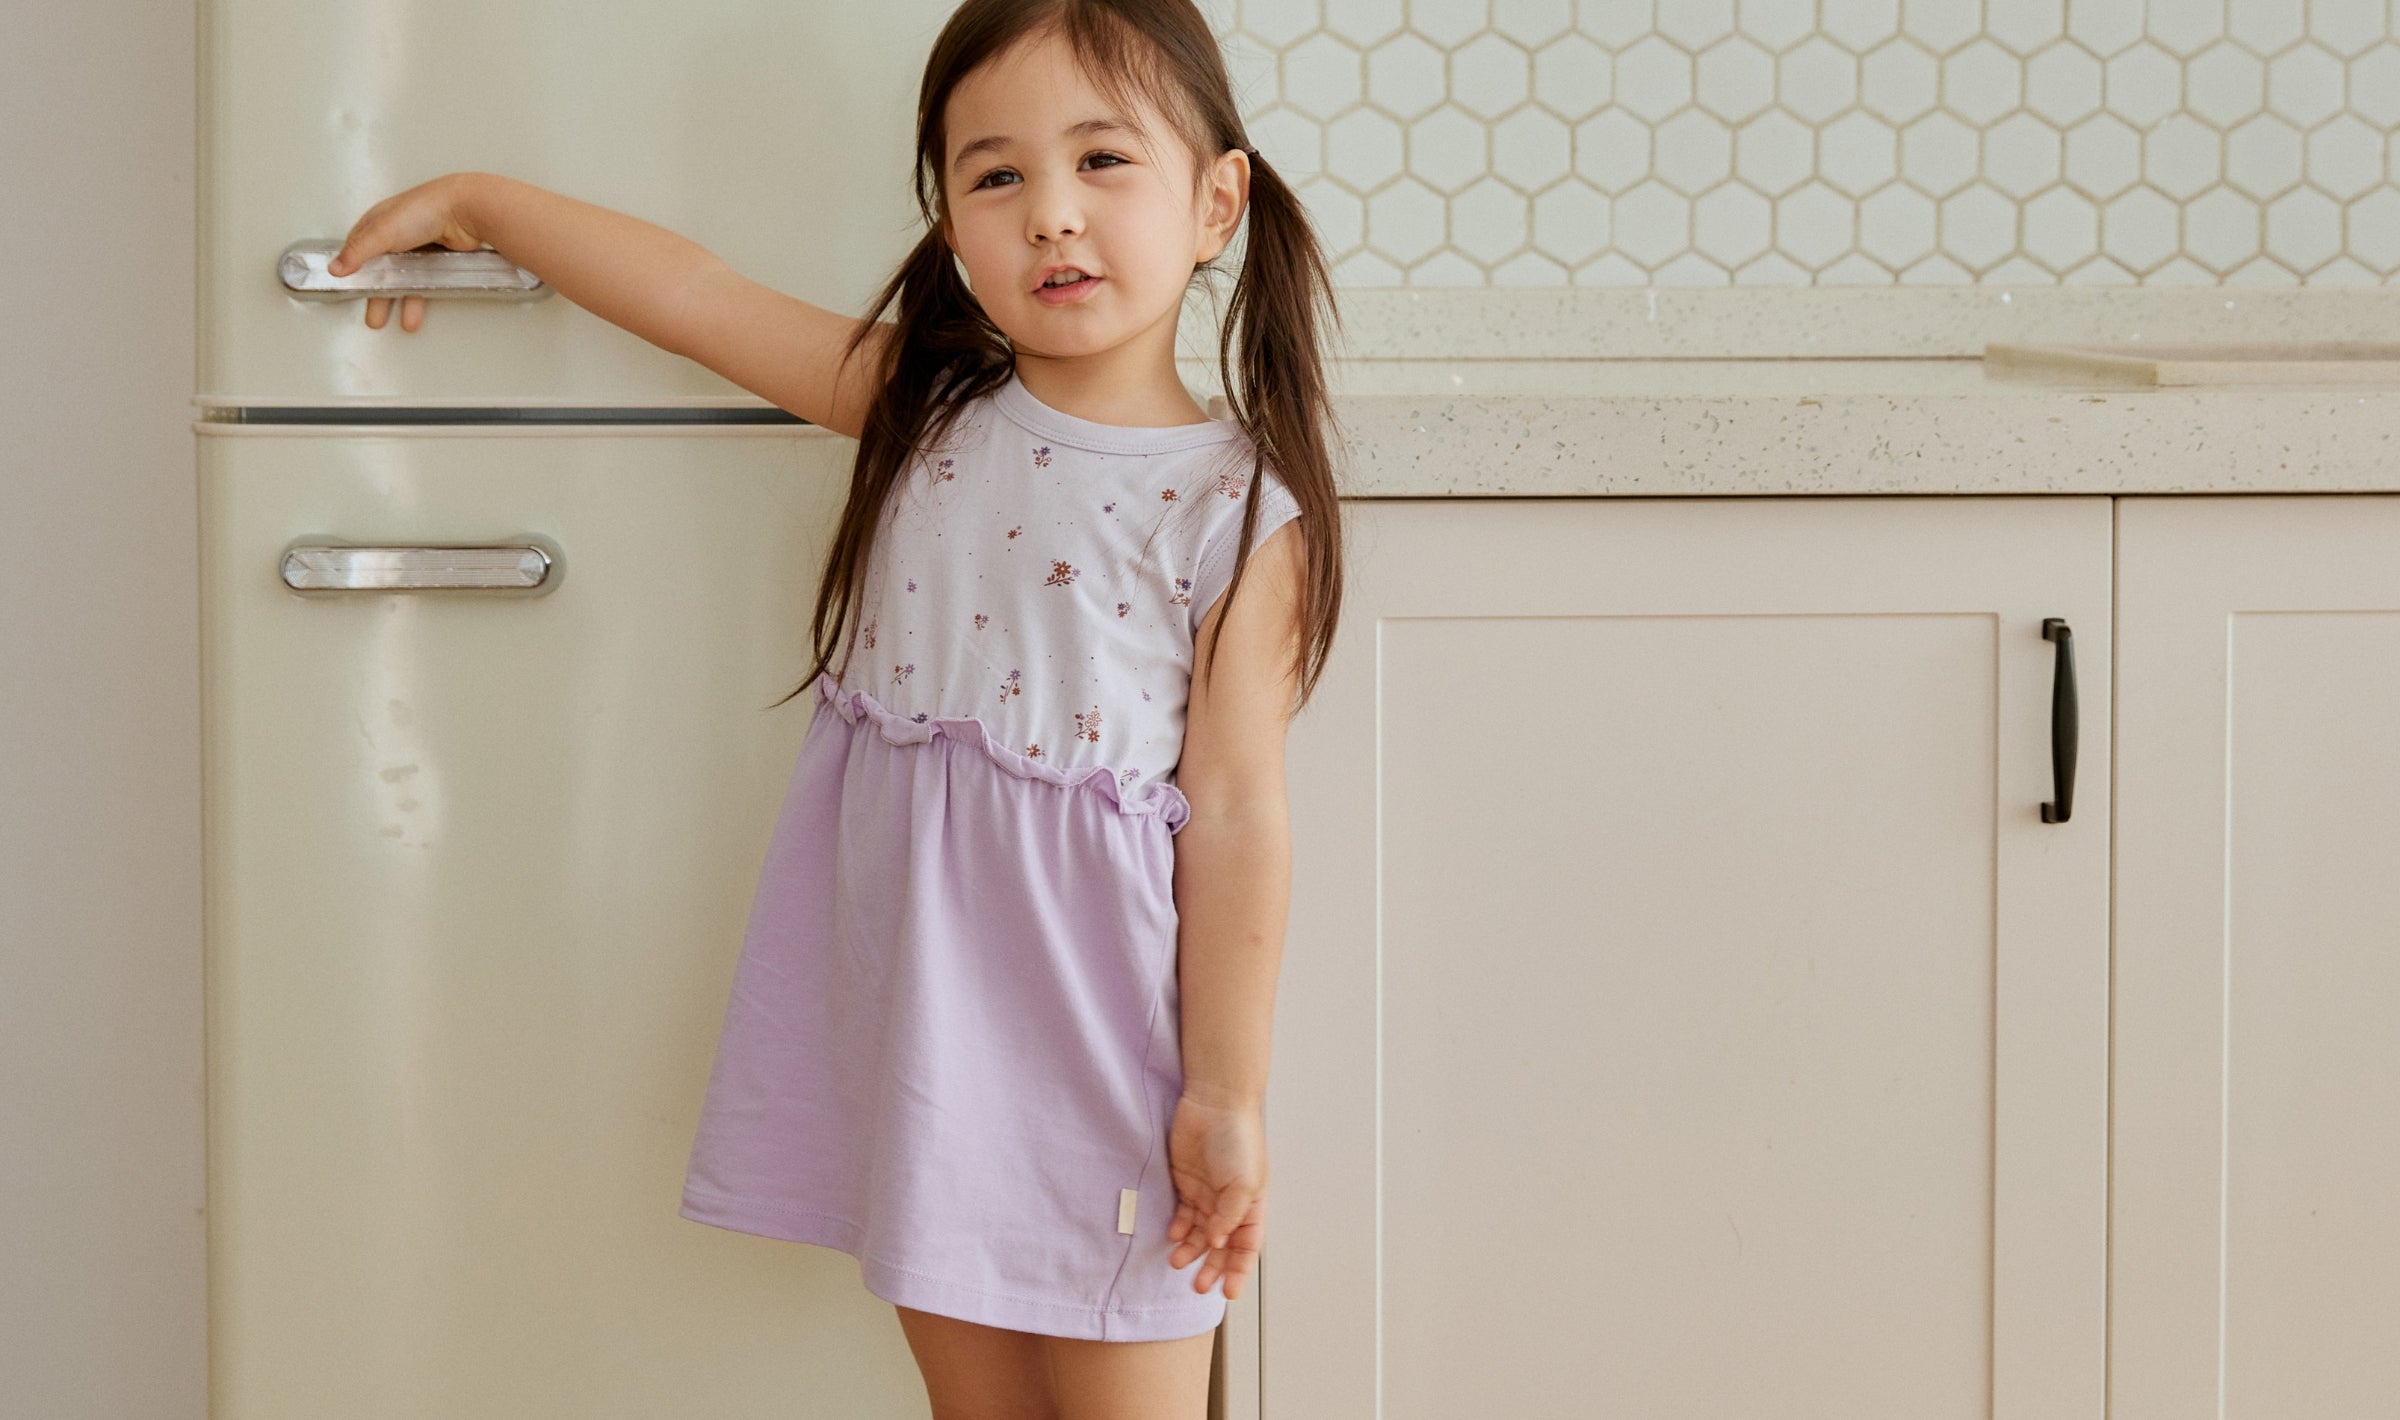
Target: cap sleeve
(1276, 506)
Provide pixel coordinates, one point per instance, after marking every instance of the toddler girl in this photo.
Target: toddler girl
(999, 1028)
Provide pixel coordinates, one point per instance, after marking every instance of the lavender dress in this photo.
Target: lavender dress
(952, 1047)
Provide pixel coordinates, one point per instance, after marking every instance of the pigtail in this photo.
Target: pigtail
(944, 351)
(1270, 358)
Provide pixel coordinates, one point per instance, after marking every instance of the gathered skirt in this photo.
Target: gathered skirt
(952, 1048)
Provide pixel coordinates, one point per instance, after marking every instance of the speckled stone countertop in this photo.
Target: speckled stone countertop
(1810, 391)
(1548, 391)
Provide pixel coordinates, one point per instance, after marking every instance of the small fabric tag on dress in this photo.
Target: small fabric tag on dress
(1126, 1197)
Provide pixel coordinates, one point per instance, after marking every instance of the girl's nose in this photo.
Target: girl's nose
(1055, 212)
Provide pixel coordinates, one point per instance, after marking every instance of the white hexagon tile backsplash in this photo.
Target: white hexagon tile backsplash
(1706, 142)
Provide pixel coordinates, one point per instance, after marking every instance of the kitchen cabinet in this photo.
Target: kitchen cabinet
(2256, 1065)
(1687, 1009)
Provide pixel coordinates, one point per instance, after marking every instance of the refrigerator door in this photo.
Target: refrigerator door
(778, 136)
(479, 863)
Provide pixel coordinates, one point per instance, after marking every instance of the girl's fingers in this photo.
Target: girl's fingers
(1231, 1271)
(1231, 1208)
(1230, 1264)
(1186, 1248)
(412, 312)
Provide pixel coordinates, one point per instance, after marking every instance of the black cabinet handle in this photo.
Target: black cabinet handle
(2063, 718)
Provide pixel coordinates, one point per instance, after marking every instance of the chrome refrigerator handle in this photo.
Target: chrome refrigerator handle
(430, 270)
(320, 567)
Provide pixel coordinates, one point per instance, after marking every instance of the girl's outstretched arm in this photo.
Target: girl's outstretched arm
(781, 348)
(680, 296)
(664, 287)
(1232, 893)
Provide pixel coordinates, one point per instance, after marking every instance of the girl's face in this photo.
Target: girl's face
(1041, 172)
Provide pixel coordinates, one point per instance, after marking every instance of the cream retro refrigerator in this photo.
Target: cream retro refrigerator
(493, 613)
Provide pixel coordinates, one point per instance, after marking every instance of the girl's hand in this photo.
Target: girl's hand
(425, 215)
(1217, 1155)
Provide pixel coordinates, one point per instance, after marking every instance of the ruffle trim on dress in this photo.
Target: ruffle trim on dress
(1159, 798)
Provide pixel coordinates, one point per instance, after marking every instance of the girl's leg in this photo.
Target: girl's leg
(1131, 1380)
(977, 1372)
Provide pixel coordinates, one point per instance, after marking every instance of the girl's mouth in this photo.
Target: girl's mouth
(1069, 293)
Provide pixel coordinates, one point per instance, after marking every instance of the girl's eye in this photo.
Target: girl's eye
(987, 177)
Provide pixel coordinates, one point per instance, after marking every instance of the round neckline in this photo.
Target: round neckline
(1020, 404)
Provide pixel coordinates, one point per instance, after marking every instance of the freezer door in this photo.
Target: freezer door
(479, 862)
(777, 136)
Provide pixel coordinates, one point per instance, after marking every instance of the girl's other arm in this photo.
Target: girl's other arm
(1233, 860)
(660, 285)
(1233, 857)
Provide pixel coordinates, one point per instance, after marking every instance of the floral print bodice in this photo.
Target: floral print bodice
(1047, 575)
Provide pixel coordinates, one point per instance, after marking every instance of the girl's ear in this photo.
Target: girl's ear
(1228, 199)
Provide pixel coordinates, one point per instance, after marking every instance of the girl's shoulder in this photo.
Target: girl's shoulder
(1229, 493)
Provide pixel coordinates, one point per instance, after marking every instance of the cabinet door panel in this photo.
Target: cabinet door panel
(1686, 1009)
(2255, 1155)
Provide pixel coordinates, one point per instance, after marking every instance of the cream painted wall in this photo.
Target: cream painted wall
(102, 1252)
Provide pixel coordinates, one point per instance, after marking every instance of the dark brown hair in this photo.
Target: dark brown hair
(946, 351)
